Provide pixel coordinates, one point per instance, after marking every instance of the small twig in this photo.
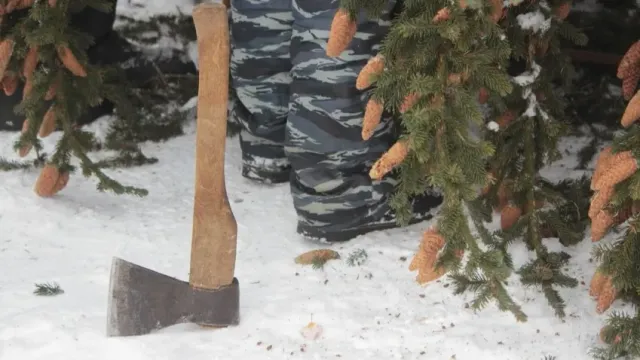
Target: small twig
(594, 57)
(160, 73)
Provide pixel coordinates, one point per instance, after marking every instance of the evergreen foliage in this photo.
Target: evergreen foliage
(531, 122)
(147, 111)
(47, 289)
(448, 55)
(64, 85)
(618, 261)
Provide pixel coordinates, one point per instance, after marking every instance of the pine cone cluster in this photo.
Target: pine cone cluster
(611, 169)
(343, 29)
(51, 179)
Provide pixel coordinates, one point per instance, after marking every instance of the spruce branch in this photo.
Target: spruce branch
(434, 68)
(357, 257)
(60, 85)
(48, 289)
(621, 334)
(526, 143)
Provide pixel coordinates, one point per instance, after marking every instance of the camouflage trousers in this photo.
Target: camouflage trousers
(301, 114)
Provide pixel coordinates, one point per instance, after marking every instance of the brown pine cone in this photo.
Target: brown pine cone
(632, 111)
(600, 225)
(630, 83)
(442, 15)
(630, 60)
(342, 31)
(603, 290)
(389, 160)
(562, 11)
(426, 257)
(372, 116)
(51, 181)
(366, 77)
(509, 216)
(619, 168)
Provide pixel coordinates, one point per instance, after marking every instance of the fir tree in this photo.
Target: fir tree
(616, 183)
(39, 48)
(432, 72)
(529, 124)
(435, 68)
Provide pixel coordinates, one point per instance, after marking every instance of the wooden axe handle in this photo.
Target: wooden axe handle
(214, 238)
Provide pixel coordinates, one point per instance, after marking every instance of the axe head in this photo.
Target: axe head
(142, 300)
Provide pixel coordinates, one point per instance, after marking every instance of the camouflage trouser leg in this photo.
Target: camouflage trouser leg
(260, 65)
(331, 189)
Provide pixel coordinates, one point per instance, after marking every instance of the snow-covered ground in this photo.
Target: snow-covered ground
(372, 311)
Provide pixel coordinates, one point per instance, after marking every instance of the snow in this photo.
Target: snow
(372, 311)
(493, 126)
(534, 21)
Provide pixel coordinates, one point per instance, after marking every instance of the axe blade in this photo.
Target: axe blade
(142, 300)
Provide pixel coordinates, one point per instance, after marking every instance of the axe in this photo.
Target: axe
(142, 300)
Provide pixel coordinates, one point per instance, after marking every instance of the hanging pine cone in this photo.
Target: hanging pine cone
(70, 61)
(602, 289)
(408, 102)
(389, 160)
(619, 168)
(629, 70)
(599, 200)
(632, 111)
(372, 116)
(342, 31)
(562, 11)
(601, 164)
(509, 216)
(6, 50)
(48, 124)
(497, 10)
(51, 181)
(600, 225)
(426, 257)
(630, 83)
(630, 60)
(10, 83)
(368, 74)
(505, 119)
(442, 15)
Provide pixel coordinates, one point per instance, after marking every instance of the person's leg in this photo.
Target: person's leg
(333, 195)
(260, 65)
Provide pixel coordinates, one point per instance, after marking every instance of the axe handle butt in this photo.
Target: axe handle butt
(213, 247)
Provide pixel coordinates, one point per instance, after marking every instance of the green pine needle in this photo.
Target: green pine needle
(318, 263)
(46, 289)
(357, 257)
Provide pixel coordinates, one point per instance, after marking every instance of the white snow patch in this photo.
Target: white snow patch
(527, 78)
(534, 21)
(493, 126)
